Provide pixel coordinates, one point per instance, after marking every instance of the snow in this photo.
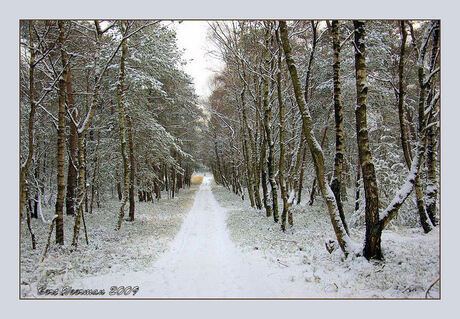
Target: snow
(136, 246)
(203, 262)
(411, 257)
(225, 249)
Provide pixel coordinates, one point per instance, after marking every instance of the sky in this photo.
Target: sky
(192, 37)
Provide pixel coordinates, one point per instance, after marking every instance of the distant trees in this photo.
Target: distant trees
(73, 73)
(342, 64)
(109, 103)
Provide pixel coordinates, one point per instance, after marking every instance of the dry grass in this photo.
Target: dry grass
(197, 179)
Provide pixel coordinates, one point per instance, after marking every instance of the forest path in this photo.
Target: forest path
(203, 262)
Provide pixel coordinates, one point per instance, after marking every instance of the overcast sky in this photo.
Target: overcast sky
(191, 36)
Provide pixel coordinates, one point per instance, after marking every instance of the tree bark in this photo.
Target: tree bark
(432, 131)
(372, 247)
(25, 166)
(121, 121)
(401, 95)
(247, 147)
(73, 140)
(94, 179)
(267, 125)
(131, 169)
(262, 164)
(317, 154)
(61, 145)
(424, 219)
(336, 184)
(282, 181)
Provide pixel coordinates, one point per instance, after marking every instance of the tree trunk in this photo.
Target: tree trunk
(431, 155)
(302, 172)
(372, 248)
(121, 121)
(336, 184)
(262, 164)
(357, 186)
(317, 154)
(94, 179)
(131, 168)
(267, 126)
(323, 140)
(61, 146)
(73, 140)
(282, 181)
(424, 219)
(401, 95)
(247, 147)
(28, 160)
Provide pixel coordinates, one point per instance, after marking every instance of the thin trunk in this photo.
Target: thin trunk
(268, 124)
(282, 181)
(86, 176)
(95, 172)
(119, 192)
(323, 140)
(317, 154)
(302, 172)
(61, 147)
(431, 155)
(121, 121)
(424, 219)
(28, 160)
(401, 95)
(81, 188)
(29, 225)
(247, 147)
(357, 186)
(73, 141)
(262, 164)
(131, 169)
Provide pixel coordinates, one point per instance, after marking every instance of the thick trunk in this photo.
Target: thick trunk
(372, 248)
(336, 184)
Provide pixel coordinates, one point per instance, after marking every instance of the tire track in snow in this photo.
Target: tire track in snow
(203, 262)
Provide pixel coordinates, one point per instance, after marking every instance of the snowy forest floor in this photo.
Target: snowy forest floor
(411, 262)
(208, 243)
(136, 246)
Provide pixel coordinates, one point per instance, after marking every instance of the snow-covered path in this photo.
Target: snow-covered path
(203, 262)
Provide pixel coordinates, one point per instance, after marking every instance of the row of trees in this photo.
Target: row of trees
(111, 100)
(272, 105)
